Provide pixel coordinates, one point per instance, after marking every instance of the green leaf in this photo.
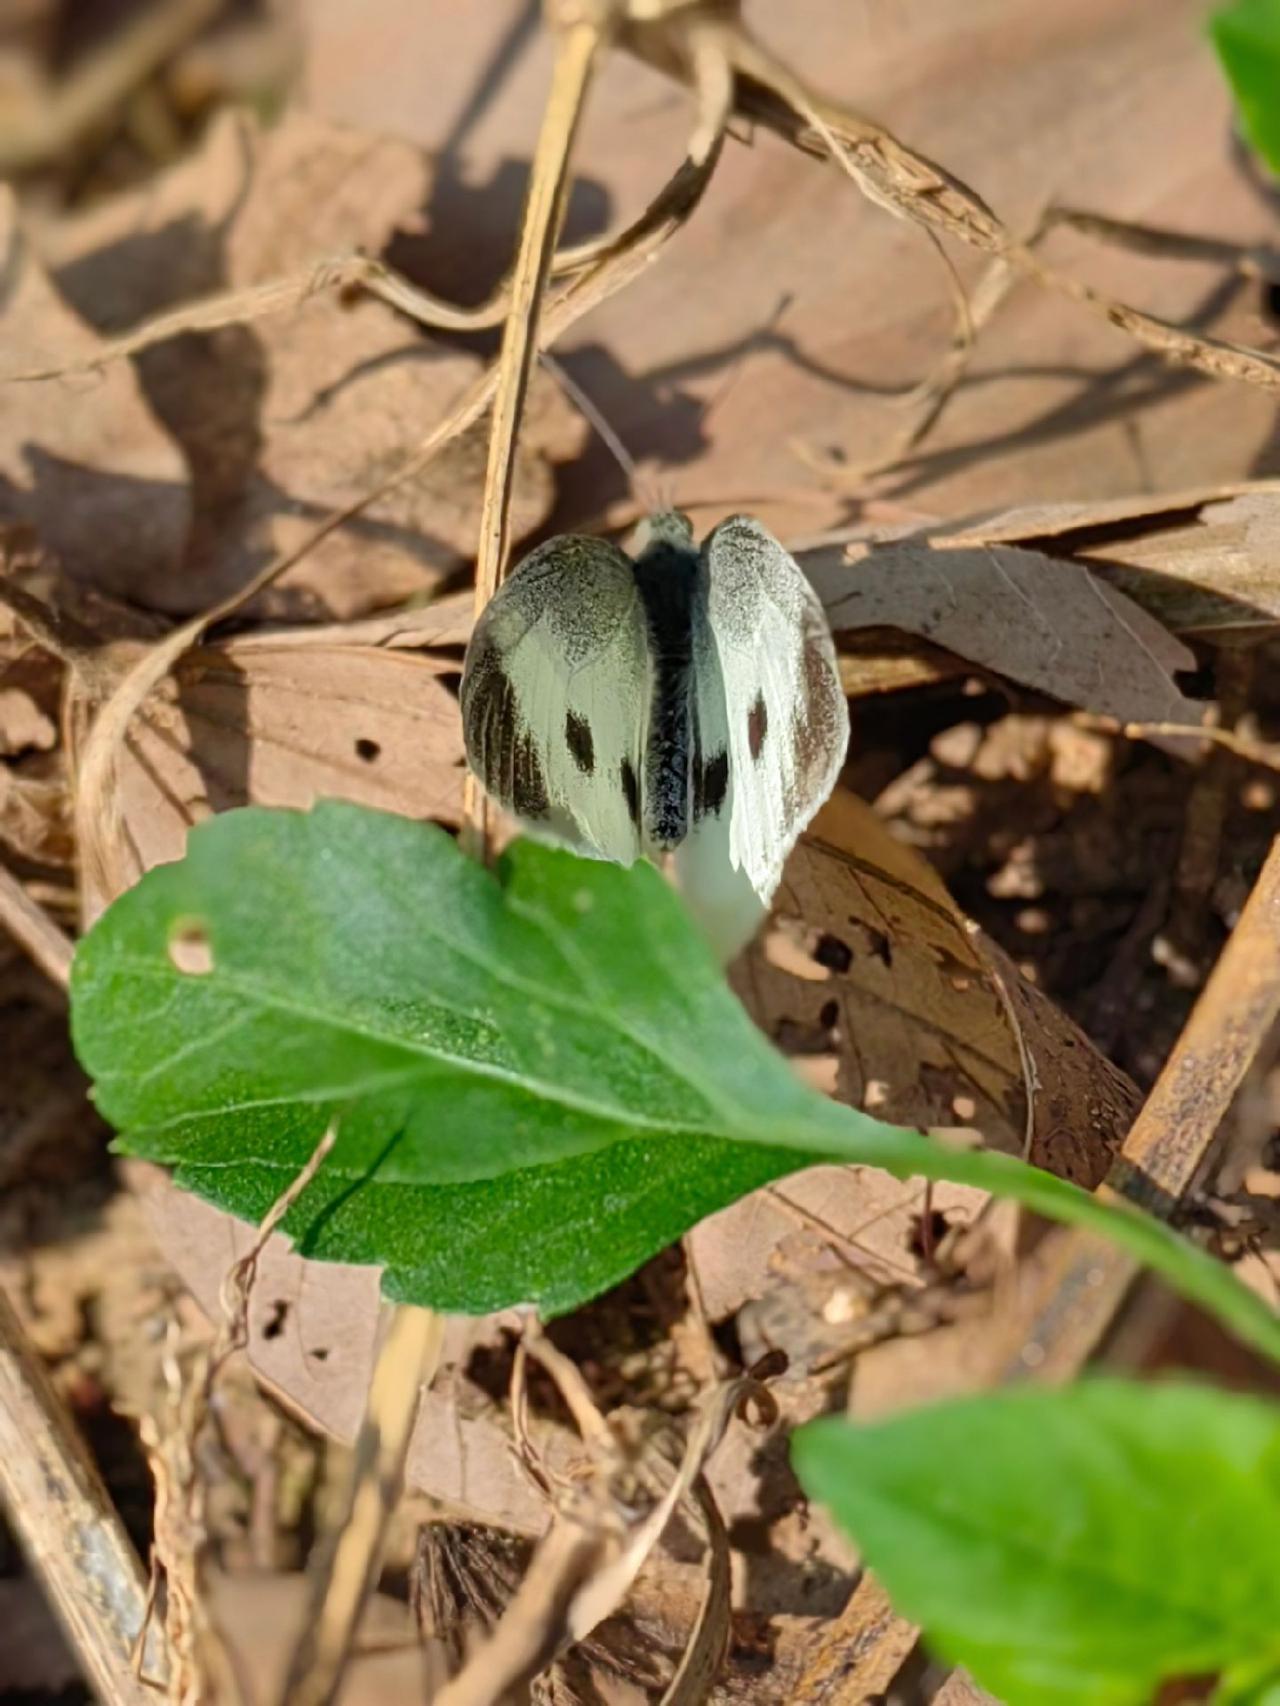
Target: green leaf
(1071, 1546)
(1246, 35)
(539, 1074)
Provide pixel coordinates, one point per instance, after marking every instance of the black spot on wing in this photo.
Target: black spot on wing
(631, 788)
(757, 726)
(710, 785)
(579, 740)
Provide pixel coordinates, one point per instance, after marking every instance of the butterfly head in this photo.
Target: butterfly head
(665, 527)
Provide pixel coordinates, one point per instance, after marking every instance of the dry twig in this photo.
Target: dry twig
(34, 931)
(63, 1518)
(349, 1561)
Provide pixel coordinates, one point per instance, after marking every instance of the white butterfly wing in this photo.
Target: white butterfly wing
(783, 716)
(554, 695)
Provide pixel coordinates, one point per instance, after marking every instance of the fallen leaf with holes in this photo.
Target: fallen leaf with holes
(869, 978)
(1049, 624)
(283, 420)
(85, 463)
(362, 711)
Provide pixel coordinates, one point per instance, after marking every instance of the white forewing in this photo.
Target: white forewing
(555, 696)
(782, 707)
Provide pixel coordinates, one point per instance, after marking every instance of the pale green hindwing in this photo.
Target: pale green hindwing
(554, 692)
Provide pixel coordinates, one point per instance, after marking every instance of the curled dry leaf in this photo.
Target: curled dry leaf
(1204, 562)
(283, 420)
(869, 976)
(1050, 624)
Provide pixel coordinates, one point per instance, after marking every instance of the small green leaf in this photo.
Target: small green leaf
(1246, 35)
(1074, 1546)
(539, 1075)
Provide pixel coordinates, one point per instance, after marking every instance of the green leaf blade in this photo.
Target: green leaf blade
(556, 1029)
(1077, 1545)
(1246, 35)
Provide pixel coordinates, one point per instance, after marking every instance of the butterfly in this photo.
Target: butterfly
(677, 701)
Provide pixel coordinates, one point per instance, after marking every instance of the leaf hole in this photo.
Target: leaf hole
(273, 1326)
(831, 952)
(190, 950)
(367, 749)
(451, 681)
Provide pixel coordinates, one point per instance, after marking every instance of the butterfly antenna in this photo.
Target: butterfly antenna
(591, 413)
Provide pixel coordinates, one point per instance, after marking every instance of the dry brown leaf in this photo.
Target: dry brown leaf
(249, 722)
(869, 977)
(35, 818)
(282, 421)
(87, 465)
(1051, 625)
(1205, 562)
(313, 1335)
(817, 302)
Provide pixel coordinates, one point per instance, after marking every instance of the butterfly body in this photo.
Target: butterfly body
(682, 701)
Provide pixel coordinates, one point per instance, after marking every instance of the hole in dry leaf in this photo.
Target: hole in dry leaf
(190, 950)
(451, 681)
(831, 952)
(367, 749)
(923, 1239)
(1271, 301)
(322, 1355)
(273, 1326)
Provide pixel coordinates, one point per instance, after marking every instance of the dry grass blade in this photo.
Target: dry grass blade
(349, 1563)
(33, 929)
(701, 1660)
(576, 51)
(62, 1516)
(577, 48)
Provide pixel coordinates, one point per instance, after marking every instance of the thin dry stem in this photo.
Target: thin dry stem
(577, 48)
(709, 1638)
(34, 931)
(63, 1518)
(237, 1284)
(350, 1559)
(913, 187)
